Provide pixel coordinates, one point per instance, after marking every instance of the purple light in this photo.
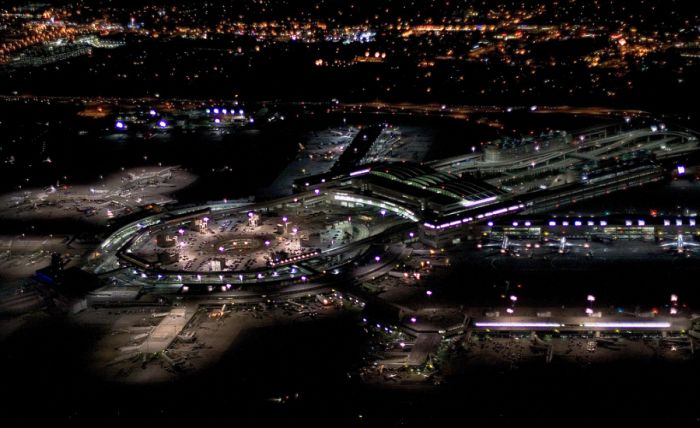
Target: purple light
(163, 124)
(518, 324)
(681, 170)
(377, 258)
(152, 112)
(217, 120)
(413, 320)
(429, 293)
(317, 191)
(120, 124)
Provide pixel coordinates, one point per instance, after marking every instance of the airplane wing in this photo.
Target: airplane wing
(494, 244)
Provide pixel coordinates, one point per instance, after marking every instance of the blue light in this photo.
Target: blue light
(163, 124)
(152, 112)
(681, 170)
(119, 124)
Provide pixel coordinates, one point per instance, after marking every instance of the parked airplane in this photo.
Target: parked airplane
(506, 245)
(563, 246)
(680, 245)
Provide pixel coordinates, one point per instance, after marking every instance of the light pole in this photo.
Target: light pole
(511, 309)
(589, 309)
(674, 304)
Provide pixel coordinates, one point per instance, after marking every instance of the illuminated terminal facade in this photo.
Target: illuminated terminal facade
(332, 218)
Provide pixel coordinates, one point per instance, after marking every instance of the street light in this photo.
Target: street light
(589, 310)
